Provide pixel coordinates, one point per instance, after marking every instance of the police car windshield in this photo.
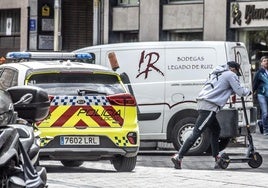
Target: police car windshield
(70, 83)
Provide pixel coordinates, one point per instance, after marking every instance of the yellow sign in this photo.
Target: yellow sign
(45, 10)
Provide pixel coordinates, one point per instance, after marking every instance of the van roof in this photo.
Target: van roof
(162, 44)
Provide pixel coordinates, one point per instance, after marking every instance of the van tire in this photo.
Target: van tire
(124, 164)
(70, 163)
(182, 130)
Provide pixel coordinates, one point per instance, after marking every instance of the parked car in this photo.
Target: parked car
(92, 115)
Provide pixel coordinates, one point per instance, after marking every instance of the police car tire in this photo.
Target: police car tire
(124, 164)
(186, 123)
(70, 163)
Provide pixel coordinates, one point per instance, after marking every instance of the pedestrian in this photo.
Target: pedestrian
(260, 87)
(221, 84)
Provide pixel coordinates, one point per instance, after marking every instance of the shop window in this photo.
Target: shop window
(257, 44)
(189, 36)
(128, 2)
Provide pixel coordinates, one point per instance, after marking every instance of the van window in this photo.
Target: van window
(128, 2)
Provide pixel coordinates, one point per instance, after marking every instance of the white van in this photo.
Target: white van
(166, 77)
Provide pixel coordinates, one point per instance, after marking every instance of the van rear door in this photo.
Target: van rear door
(144, 68)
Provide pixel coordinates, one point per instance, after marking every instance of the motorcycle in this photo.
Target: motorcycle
(20, 108)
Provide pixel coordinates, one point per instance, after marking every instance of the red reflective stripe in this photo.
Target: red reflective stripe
(97, 118)
(72, 110)
(81, 123)
(52, 108)
(114, 115)
(63, 118)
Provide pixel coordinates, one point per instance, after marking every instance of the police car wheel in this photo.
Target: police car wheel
(183, 129)
(124, 164)
(70, 163)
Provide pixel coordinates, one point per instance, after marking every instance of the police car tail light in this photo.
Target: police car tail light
(132, 137)
(124, 99)
(51, 97)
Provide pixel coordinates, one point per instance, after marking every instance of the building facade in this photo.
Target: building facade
(64, 25)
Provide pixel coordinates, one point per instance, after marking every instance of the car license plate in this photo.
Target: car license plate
(79, 140)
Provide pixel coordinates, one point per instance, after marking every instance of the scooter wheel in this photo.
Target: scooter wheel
(255, 160)
(224, 161)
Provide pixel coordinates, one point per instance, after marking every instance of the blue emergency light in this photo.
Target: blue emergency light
(18, 55)
(83, 56)
(49, 55)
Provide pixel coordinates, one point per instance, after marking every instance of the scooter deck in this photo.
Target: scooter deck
(239, 160)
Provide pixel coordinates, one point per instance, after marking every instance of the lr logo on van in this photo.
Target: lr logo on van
(149, 60)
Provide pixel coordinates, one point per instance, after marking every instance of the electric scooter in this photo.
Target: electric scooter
(253, 158)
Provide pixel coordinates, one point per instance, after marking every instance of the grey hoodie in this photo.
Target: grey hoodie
(221, 84)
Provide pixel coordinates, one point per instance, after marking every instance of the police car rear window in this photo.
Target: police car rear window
(70, 83)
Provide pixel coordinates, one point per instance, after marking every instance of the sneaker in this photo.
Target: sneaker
(217, 161)
(176, 162)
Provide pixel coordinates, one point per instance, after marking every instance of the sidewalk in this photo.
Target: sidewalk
(236, 175)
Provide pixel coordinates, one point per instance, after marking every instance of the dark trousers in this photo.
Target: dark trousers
(206, 119)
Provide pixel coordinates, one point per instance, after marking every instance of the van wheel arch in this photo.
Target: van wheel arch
(183, 129)
(177, 117)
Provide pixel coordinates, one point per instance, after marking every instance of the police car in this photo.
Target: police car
(92, 116)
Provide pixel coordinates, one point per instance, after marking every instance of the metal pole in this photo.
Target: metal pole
(57, 32)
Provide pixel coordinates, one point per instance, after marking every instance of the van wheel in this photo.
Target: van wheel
(183, 129)
(70, 163)
(124, 164)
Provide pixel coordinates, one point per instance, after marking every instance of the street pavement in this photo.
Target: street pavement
(154, 169)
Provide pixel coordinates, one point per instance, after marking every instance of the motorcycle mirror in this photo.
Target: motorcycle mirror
(25, 99)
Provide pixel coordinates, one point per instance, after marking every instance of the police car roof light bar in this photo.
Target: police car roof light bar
(48, 55)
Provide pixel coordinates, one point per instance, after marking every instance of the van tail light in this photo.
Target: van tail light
(124, 99)
(233, 99)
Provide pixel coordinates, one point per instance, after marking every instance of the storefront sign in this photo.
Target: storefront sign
(45, 10)
(46, 42)
(249, 14)
(32, 25)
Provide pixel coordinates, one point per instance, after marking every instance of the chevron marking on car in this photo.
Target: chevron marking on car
(70, 112)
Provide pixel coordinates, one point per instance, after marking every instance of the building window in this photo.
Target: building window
(14, 16)
(183, 1)
(187, 36)
(129, 37)
(128, 2)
